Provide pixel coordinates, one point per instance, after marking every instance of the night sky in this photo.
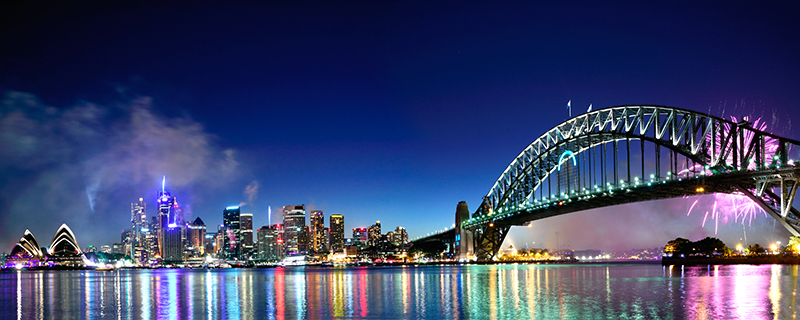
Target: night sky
(378, 110)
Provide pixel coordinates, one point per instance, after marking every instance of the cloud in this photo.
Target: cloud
(84, 164)
(251, 191)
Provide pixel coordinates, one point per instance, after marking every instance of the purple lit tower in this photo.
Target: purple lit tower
(169, 229)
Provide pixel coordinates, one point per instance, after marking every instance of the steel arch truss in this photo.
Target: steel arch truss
(749, 160)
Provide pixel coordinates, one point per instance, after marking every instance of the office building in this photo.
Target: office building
(304, 240)
(318, 243)
(231, 241)
(246, 223)
(138, 223)
(167, 213)
(270, 243)
(374, 234)
(360, 237)
(337, 233)
(294, 219)
(197, 237)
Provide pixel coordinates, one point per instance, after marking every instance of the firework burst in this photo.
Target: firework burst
(733, 207)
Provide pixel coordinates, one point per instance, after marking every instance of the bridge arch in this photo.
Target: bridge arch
(700, 151)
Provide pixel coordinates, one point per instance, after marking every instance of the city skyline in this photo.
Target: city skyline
(388, 111)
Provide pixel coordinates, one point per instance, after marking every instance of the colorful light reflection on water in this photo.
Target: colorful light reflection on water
(477, 292)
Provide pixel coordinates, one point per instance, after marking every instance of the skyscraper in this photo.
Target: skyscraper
(270, 243)
(173, 246)
(318, 243)
(294, 219)
(197, 236)
(138, 222)
(304, 240)
(167, 211)
(360, 237)
(374, 234)
(231, 221)
(337, 232)
(246, 223)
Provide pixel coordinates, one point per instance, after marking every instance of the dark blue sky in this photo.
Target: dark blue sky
(378, 110)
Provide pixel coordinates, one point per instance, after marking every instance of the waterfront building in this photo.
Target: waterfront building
(246, 223)
(318, 244)
(294, 219)
(197, 237)
(336, 233)
(270, 243)
(304, 240)
(173, 245)
(374, 234)
(231, 221)
(64, 249)
(26, 252)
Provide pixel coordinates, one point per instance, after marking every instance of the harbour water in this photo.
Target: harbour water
(578, 291)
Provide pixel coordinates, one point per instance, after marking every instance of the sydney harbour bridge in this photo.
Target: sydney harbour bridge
(629, 154)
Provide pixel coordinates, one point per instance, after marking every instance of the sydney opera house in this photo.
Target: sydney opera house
(63, 251)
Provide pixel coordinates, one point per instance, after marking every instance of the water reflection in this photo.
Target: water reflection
(485, 292)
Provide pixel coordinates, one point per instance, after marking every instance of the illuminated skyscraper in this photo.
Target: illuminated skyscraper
(304, 240)
(231, 222)
(374, 234)
(246, 223)
(270, 242)
(294, 219)
(197, 236)
(167, 213)
(138, 223)
(337, 233)
(173, 246)
(318, 243)
(360, 237)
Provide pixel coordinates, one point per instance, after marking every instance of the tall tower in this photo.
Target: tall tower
(231, 221)
(138, 225)
(246, 223)
(167, 209)
(318, 232)
(464, 246)
(294, 219)
(337, 232)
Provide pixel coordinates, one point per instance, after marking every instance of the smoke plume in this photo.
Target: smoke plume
(83, 165)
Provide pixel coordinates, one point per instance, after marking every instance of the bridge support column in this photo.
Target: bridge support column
(779, 206)
(488, 239)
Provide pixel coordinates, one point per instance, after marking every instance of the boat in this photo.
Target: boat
(293, 261)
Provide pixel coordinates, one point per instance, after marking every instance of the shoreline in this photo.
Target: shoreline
(731, 260)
